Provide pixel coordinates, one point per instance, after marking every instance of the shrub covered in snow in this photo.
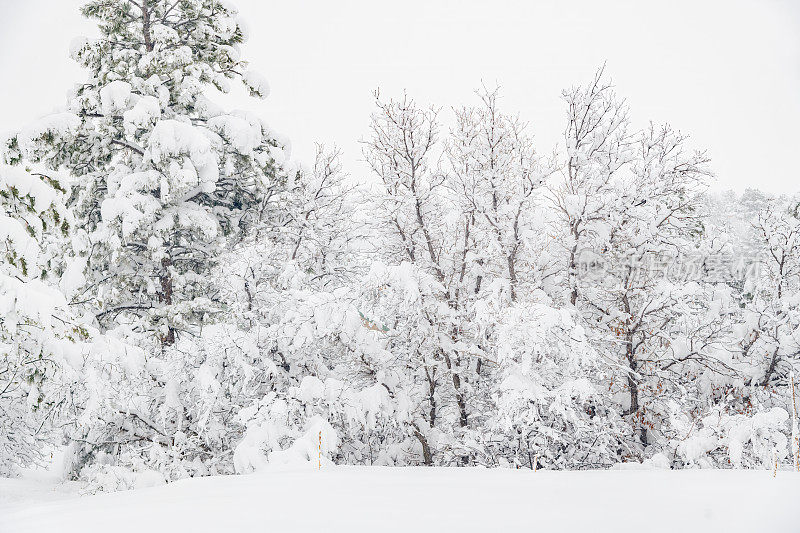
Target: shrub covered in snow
(39, 341)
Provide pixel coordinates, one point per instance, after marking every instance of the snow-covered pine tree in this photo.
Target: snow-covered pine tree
(165, 177)
(164, 181)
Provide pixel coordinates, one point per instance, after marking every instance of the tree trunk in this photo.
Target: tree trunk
(165, 297)
(460, 399)
(633, 386)
(427, 456)
(773, 364)
(633, 380)
(148, 42)
(512, 276)
(431, 395)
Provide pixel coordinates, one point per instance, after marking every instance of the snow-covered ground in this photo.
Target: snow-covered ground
(355, 499)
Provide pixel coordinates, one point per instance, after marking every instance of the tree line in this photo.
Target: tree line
(178, 298)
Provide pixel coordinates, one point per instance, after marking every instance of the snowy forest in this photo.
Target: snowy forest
(181, 298)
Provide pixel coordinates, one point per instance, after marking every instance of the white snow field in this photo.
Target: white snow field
(372, 499)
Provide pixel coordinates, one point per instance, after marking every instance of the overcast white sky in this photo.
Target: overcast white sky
(725, 71)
